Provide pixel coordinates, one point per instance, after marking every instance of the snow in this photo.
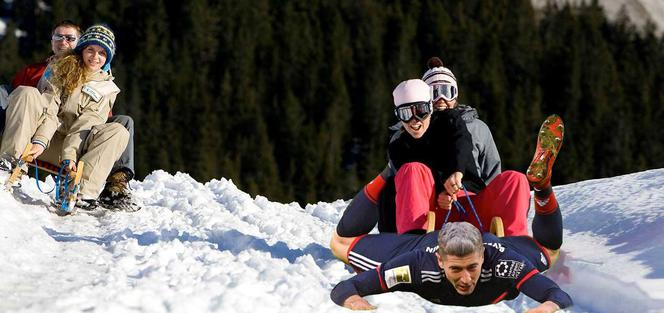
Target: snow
(213, 248)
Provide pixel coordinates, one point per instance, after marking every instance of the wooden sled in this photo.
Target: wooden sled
(17, 172)
(497, 227)
(67, 206)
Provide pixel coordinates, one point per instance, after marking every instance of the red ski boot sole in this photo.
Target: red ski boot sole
(549, 141)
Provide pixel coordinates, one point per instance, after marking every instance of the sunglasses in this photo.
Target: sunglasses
(58, 37)
(444, 90)
(418, 110)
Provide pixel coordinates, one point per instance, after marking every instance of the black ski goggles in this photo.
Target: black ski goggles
(445, 91)
(418, 110)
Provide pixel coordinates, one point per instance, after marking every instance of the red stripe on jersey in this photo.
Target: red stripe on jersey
(499, 298)
(380, 278)
(523, 280)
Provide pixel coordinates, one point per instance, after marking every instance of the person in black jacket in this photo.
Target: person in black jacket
(432, 155)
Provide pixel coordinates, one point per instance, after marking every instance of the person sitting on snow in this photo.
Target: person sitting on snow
(67, 122)
(460, 266)
(116, 193)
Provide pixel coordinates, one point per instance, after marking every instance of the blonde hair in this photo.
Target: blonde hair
(69, 72)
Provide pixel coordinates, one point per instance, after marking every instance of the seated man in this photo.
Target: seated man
(477, 269)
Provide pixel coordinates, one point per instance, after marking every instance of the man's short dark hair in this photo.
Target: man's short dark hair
(68, 23)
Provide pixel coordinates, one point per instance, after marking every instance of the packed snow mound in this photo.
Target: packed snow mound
(211, 247)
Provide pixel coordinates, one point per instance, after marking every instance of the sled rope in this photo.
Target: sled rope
(58, 181)
(37, 179)
(462, 211)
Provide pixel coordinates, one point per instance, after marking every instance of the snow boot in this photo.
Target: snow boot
(116, 195)
(86, 204)
(549, 141)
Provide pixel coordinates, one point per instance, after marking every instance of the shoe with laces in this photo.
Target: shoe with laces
(6, 163)
(549, 141)
(116, 195)
(86, 204)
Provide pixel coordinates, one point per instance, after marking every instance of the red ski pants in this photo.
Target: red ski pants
(507, 196)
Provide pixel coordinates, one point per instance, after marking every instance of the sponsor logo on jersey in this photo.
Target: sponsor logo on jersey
(508, 269)
(398, 275)
(433, 249)
(543, 259)
(496, 245)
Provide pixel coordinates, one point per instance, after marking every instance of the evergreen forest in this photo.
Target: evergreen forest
(292, 99)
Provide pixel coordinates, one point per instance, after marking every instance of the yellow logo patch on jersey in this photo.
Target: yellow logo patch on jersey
(398, 275)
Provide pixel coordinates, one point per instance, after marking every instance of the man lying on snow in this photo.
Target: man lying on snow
(458, 265)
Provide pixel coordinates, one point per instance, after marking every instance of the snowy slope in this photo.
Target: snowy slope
(212, 248)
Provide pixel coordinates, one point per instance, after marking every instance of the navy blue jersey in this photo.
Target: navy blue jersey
(367, 252)
(511, 265)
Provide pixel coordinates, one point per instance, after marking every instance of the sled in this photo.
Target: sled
(69, 198)
(496, 228)
(66, 205)
(431, 221)
(17, 171)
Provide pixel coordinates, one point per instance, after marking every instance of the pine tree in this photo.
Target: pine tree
(9, 57)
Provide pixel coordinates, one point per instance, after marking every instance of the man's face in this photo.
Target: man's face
(462, 272)
(61, 39)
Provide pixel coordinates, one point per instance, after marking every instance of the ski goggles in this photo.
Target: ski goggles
(418, 110)
(444, 91)
(58, 37)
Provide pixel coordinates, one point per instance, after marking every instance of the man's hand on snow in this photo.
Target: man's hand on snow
(546, 307)
(356, 302)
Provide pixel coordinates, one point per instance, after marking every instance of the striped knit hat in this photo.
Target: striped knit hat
(438, 73)
(99, 35)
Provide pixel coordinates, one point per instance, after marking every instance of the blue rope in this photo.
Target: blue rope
(462, 211)
(473, 208)
(58, 182)
(64, 205)
(37, 179)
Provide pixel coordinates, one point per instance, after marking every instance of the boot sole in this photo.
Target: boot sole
(549, 142)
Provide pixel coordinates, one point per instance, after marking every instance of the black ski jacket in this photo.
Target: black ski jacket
(446, 147)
